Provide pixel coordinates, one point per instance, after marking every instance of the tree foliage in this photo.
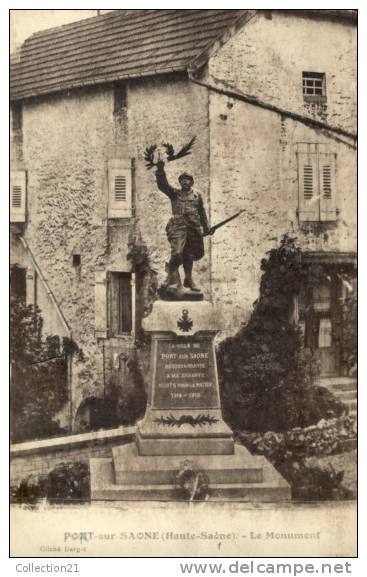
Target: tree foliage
(39, 386)
(266, 377)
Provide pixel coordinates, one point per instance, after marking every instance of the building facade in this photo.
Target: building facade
(271, 99)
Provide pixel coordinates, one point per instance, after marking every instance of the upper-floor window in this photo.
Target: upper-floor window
(314, 86)
(316, 182)
(119, 99)
(17, 129)
(18, 191)
(17, 116)
(119, 188)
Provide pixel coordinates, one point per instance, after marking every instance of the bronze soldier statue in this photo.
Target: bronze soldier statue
(185, 229)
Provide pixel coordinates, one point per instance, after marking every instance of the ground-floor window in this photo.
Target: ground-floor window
(121, 303)
(325, 315)
(18, 282)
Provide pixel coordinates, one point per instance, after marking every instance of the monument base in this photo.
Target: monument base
(183, 447)
(179, 294)
(171, 432)
(128, 476)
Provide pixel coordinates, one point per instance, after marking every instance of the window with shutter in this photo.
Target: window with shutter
(18, 196)
(307, 182)
(100, 304)
(125, 308)
(119, 188)
(326, 181)
(121, 303)
(327, 164)
(316, 182)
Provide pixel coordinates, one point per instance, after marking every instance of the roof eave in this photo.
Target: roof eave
(101, 81)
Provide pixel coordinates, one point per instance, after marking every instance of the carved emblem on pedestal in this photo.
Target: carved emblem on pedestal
(197, 421)
(185, 323)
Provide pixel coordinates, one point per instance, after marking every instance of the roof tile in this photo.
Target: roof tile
(119, 45)
(114, 46)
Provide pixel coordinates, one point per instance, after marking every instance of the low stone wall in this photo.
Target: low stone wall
(37, 457)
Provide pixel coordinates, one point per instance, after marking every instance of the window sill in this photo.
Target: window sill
(317, 226)
(315, 99)
(123, 336)
(117, 222)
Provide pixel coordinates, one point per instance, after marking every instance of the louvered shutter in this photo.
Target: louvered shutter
(18, 184)
(327, 185)
(307, 183)
(119, 188)
(100, 304)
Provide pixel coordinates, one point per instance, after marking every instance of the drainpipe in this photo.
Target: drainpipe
(45, 284)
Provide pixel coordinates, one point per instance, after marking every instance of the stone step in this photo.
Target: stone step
(346, 396)
(132, 468)
(103, 488)
(262, 492)
(177, 446)
(344, 389)
(339, 383)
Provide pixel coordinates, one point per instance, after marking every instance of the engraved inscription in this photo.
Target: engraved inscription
(185, 375)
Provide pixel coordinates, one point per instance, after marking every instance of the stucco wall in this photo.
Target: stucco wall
(253, 166)
(52, 321)
(266, 59)
(67, 141)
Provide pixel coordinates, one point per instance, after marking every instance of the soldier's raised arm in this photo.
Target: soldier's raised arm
(162, 181)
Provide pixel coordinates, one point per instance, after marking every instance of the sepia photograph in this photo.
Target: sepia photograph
(183, 283)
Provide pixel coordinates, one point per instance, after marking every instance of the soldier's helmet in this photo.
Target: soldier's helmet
(185, 175)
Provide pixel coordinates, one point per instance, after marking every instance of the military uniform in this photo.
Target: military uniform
(188, 223)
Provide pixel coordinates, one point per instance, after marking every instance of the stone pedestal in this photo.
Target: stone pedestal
(183, 426)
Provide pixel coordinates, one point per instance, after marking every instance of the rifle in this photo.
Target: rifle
(223, 222)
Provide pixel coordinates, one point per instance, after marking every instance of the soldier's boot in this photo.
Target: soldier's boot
(173, 279)
(188, 282)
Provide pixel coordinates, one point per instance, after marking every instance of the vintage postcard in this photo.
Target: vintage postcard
(183, 297)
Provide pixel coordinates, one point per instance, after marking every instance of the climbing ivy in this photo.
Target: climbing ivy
(145, 282)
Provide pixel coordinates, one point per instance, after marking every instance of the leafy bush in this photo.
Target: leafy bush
(30, 490)
(266, 377)
(67, 482)
(123, 404)
(290, 451)
(314, 483)
(39, 387)
(328, 437)
(347, 334)
(132, 401)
